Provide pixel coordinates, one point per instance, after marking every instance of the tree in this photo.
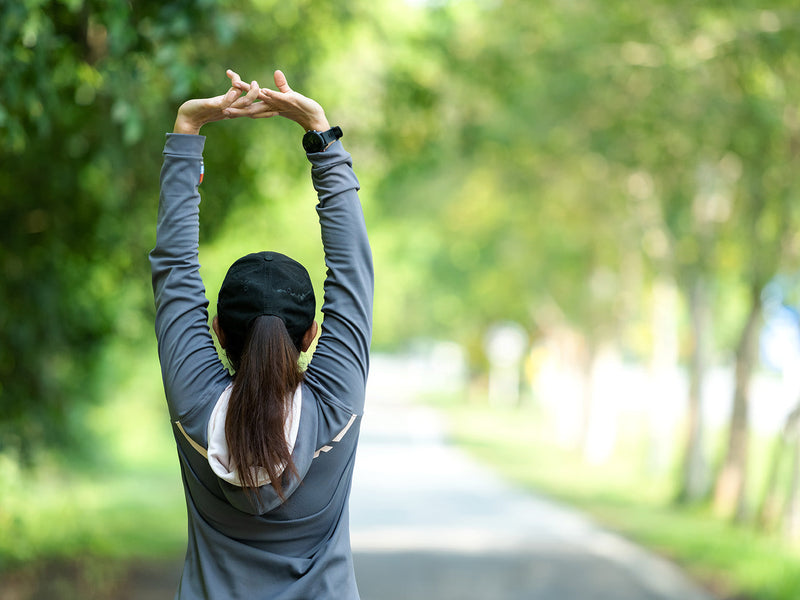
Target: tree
(87, 88)
(73, 120)
(764, 130)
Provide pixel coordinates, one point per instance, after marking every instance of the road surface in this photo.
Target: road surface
(428, 522)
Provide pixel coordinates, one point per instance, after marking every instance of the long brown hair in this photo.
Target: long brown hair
(266, 376)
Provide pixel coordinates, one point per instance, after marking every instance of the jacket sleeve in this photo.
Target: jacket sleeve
(190, 365)
(341, 360)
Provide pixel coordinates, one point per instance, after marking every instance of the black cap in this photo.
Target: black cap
(265, 283)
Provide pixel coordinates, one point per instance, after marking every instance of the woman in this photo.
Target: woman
(267, 454)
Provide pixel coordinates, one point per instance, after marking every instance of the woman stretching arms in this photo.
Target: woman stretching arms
(267, 453)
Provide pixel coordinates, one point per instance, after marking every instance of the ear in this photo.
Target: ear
(309, 336)
(218, 330)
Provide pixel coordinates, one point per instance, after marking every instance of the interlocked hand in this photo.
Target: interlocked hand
(195, 113)
(284, 102)
(250, 100)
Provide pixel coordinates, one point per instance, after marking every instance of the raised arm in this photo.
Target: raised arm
(341, 359)
(190, 365)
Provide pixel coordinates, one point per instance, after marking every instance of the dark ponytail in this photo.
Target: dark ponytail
(266, 376)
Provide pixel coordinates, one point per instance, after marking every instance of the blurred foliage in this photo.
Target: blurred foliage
(126, 502)
(578, 150)
(89, 88)
(536, 162)
(76, 125)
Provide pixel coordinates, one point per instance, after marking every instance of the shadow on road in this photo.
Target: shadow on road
(496, 576)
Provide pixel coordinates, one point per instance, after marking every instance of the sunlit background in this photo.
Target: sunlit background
(584, 217)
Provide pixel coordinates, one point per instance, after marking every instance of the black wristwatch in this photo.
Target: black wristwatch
(317, 141)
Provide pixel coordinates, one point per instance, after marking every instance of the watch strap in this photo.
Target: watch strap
(317, 141)
(333, 134)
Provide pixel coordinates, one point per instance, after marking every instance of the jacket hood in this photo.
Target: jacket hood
(266, 498)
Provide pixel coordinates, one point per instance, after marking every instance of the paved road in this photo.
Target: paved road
(428, 522)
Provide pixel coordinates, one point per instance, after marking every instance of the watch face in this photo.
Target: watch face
(312, 141)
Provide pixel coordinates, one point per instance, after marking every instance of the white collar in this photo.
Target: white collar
(218, 454)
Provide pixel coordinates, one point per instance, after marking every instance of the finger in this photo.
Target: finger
(252, 93)
(241, 86)
(255, 111)
(220, 103)
(244, 109)
(230, 97)
(269, 97)
(236, 81)
(265, 115)
(249, 98)
(280, 82)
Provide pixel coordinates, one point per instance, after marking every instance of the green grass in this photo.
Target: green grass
(55, 514)
(123, 503)
(732, 561)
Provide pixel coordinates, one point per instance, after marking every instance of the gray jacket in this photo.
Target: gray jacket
(298, 549)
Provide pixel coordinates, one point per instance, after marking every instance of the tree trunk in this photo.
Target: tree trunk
(729, 495)
(791, 517)
(769, 514)
(588, 357)
(694, 472)
(663, 369)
